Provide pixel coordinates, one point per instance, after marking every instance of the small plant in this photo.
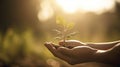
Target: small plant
(65, 27)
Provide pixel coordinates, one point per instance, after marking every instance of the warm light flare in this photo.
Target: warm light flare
(97, 6)
(69, 6)
(72, 6)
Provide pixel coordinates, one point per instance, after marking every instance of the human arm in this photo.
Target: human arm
(100, 46)
(83, 54)
(103, 46)
(76, 55)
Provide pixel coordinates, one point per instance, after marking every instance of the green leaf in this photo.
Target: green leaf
(58, 31)
(58, 38)
(61, 21)
(70, 25)
(72, 34)
(65, 26)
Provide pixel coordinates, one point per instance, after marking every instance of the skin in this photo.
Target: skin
(107, 53)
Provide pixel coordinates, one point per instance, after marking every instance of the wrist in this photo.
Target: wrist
(101, 56)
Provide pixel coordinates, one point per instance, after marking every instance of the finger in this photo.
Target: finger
(64, 53)
(51, 48)
(64, 50)
(56, 46)
(71, 43)
(56, 53)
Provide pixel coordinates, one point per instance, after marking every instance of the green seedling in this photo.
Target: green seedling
(64, 29)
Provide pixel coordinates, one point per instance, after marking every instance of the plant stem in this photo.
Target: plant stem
(64, 36)
(64, 33)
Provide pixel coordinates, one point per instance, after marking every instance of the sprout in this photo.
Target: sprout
(65, 28)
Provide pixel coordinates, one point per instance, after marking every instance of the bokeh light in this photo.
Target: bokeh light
(73, 6)
(46, 11)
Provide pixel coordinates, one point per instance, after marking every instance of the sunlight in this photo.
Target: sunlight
(97, 6)
(72, 6)
(46, 11)
(69, 6)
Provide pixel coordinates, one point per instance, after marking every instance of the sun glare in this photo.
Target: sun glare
(69, 6)
(72, 6)
(97, 6)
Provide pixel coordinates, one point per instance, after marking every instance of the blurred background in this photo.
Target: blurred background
(25, 25)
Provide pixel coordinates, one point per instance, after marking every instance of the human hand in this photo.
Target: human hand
(76, 55)
(71, 43)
